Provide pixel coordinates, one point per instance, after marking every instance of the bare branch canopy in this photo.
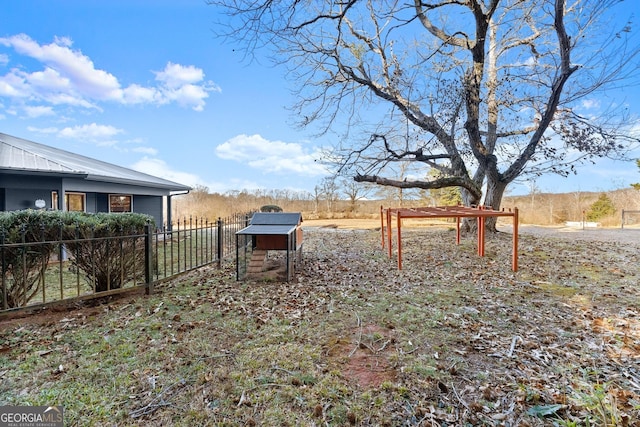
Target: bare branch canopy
(468, 93)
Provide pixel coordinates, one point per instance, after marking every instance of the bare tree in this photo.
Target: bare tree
(329, 190)
(354, 192)
(317, 196)
(483, 91)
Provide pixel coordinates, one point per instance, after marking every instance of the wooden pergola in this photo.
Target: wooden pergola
(457, 212)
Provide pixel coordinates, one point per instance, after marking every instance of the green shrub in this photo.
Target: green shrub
(601, 208)
(98, 249)
(94, 243)
(270, 208)
(24, 265)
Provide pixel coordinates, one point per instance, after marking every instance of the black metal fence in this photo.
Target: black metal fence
(38, 273)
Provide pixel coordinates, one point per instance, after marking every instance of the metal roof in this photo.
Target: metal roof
(278, 230)
(272, 223)
(19, 155)
(276, 218)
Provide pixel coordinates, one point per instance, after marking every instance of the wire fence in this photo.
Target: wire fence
(630, 218)
(44, 272)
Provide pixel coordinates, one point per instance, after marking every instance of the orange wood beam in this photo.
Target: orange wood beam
(382, 224)
(514, 251)
(399, 222)
(458, 212)
(389, 233)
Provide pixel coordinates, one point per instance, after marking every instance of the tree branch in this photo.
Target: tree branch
(453, 181)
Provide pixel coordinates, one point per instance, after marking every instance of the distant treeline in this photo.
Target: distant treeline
(535, 208)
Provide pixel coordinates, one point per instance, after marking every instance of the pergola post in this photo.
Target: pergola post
(399, 219)
(389, 232)
(382, 224)
(514, 251)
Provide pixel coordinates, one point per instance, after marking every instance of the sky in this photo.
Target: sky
(147, 85)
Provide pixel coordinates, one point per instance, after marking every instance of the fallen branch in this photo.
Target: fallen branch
(359, 341)
(243, 396)
(384, 345)
(514, 340)
(156, 402)
(459, 398)
(277, 368)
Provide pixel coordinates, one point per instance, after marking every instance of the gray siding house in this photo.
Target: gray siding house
(37, 176)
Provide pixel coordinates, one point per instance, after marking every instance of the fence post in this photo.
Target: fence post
(4, 283)
(43, 267)
(23, 250)
(148, 259)
(220, 241)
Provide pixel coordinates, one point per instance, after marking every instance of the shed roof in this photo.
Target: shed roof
(276, 218)
(274, 230)
(272, 223)
(19, 155)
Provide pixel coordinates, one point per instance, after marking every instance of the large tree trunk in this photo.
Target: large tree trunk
(493, 199)
(469, 224)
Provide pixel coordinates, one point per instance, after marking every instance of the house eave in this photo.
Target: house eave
(163, 186)
(32, 172)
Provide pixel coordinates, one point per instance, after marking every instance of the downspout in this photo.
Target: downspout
(62, 206)
(169, 208)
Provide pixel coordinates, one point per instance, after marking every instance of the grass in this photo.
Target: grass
(452, 339)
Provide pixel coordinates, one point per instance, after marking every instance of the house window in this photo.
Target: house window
(74, 202)
(120, 203)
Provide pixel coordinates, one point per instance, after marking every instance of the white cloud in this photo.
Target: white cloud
(232, 184)
(70, 77)
(75, 71)
(100, 136)
(46, 131)
(38, 111)
(590, 104)
(159, 168)
(13, 85)
(136, 94)
(48, 80)
(271, 156)
(91, 132)
(4, 59)
(145, 150)
(175, 76)
(183, 84)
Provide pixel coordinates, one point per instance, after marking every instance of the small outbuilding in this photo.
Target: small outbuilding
(269, 231)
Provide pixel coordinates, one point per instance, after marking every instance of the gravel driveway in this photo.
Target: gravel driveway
(626, 235)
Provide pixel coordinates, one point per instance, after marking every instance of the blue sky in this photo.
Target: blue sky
(146, 84)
